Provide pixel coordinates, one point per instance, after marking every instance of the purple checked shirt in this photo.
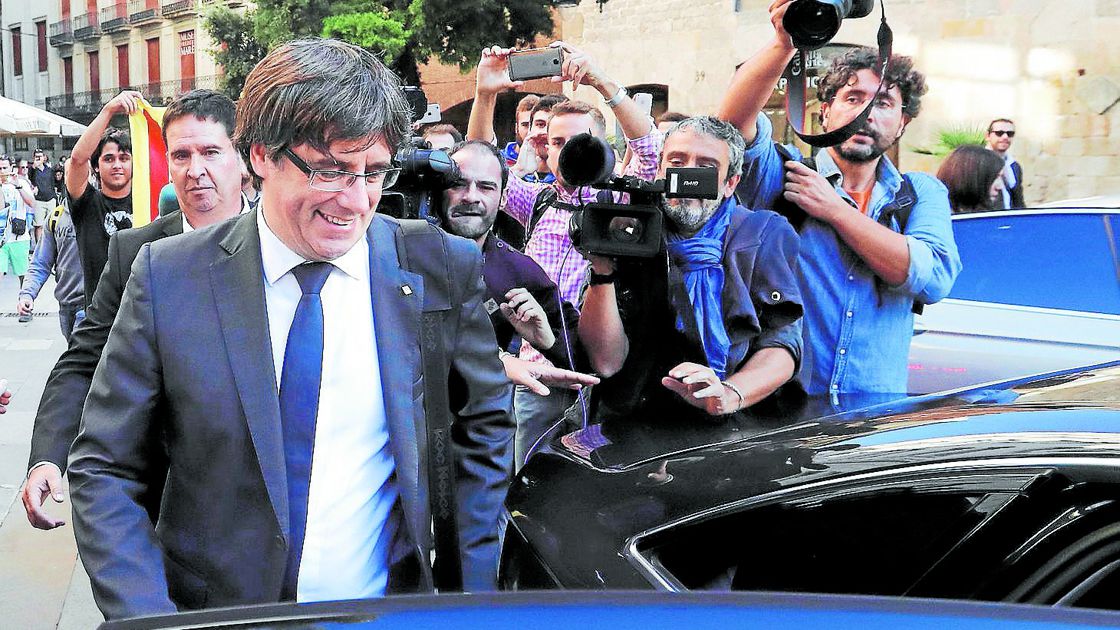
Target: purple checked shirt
(550, 245)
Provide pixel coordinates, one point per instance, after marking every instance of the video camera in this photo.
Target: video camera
(425, 173)
(625, 230)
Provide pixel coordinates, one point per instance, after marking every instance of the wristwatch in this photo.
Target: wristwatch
(617, 98)
(601, 278)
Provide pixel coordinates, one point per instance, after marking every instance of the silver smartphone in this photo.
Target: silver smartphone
(535, 63)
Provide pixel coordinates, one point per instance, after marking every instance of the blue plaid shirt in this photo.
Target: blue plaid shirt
(857, 336)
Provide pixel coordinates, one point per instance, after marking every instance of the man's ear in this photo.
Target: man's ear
(258, 158)
(824, 116)
(902, 128)
(731, 184)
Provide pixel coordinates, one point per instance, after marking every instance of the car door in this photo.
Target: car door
(1040, 291)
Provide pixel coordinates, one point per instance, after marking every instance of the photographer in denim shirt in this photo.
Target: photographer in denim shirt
(861, 277)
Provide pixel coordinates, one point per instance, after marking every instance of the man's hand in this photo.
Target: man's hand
(812, 192)
(778, 10)
(43, 480)
(528, 318)
(527, 160)
(700, 386)
(579, 67)
(24, 306)
(5, 395)
(127, 102)
(536, 376)
(493, 72)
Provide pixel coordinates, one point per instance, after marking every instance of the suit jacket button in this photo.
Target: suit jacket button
(279, 540)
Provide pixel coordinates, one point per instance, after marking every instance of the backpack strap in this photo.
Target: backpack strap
(899, 209)
(424, 252)
(544, 199)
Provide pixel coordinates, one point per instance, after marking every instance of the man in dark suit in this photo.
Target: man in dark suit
(1001, 133)
(522, 301)
(283, 381)
(205, 172)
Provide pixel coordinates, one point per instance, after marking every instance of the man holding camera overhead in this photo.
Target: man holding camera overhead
(546, 209)
(875, 243)
(717, 329)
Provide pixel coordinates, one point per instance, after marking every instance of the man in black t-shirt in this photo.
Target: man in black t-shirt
(98, 214)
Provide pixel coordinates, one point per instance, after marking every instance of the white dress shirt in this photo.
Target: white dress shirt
(349, 513)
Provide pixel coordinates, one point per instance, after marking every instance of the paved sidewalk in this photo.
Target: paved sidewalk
(42, 585)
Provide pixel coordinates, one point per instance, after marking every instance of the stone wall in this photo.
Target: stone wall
(1053, 66)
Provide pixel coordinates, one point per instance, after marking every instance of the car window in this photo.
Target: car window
(879, 543)
(1061, 261)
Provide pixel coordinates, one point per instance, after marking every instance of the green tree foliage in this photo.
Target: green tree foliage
(403, 32)
(237, 50)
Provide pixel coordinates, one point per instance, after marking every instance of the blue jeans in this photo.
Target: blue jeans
(70, 316)
(535, 416)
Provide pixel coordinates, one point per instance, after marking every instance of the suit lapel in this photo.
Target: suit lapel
(237, 281)
(396, 318)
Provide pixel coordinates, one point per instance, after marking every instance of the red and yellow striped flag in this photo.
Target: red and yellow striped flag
(149, 162)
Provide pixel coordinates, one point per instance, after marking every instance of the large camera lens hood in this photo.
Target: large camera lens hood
(586, 160)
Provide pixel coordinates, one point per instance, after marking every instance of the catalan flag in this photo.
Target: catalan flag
(149, 162)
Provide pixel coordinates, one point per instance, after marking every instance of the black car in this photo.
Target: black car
(1008, 493)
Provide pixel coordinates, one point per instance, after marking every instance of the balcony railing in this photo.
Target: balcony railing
(86, 26)
(176, 8)
(88, 104)
(115, 17)
(62, 33)
(140, 13)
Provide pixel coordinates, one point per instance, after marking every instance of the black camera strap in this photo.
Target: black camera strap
(795, 92)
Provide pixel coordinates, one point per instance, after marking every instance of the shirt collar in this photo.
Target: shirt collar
(278, 259)
(885, 173)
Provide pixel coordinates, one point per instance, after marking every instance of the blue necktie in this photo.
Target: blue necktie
(299, 405)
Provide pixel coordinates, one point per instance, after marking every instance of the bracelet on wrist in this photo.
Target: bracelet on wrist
(617, 98)
(601, 278)
(738, 393)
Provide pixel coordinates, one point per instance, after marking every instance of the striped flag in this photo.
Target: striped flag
(149, 162)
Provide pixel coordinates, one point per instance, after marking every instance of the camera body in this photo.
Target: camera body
(813, 23)
(425, 173)
(636, 229)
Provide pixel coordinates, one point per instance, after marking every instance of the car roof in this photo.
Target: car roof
(1080, 206)
(1055, 407)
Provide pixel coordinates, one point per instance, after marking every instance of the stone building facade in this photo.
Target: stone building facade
(1053, 66)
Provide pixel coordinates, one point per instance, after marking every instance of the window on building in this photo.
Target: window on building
(41, 41)
(17, 50)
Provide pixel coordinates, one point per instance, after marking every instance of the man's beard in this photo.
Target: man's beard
(689, 215)
(861, 153)
(472, 221)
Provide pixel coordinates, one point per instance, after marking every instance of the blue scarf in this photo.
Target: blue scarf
(700, 259)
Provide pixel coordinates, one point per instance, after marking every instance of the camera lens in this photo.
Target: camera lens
(626, 230)
(813, 23)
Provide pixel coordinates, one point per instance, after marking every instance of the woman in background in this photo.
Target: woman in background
(971, 173)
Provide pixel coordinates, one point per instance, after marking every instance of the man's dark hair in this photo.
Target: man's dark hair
(485, 147)
(316, 92)
(450, 130)
(578, 107)
(204, 105)
(546, 103)
(119, 137)
(968, 173)
(1000, 120)
(900, 74)
(673, 117)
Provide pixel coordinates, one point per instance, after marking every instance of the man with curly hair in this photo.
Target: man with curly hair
(864, 264)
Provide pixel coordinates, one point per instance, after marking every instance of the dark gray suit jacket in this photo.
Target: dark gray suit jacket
(60, 408)
(188, 368)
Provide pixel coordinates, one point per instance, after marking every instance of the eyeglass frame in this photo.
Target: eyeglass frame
(391, 172)
(1003, 132)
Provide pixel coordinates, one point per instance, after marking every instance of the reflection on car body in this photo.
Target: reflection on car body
(1009, 493)
(1040, 291)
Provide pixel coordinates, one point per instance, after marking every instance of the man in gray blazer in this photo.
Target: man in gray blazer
(275, 361)
(205, 172)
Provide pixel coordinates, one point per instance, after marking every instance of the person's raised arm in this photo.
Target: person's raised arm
(600, 326)
(78, 167)
(492, 77)
(581, 69)
(754, 81)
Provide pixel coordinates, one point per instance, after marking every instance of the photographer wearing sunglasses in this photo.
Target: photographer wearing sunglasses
(1001, 132)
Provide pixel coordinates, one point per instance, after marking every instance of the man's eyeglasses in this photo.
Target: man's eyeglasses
(1000, 132)
(332, 180)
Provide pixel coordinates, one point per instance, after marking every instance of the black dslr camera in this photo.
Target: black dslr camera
(813, 23)
(627, 230)
(425, 173)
